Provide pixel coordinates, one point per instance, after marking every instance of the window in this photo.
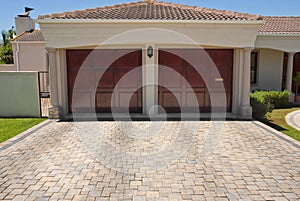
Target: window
(253, 70)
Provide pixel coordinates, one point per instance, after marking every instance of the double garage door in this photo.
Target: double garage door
(101, 70)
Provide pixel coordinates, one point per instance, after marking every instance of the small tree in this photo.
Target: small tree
(6, 53)
(296, 79)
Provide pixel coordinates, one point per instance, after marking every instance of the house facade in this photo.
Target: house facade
(29, 51)
(153, 57)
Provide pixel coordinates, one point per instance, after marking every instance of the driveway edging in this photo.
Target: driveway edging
(290, 119)
(18, 138)
(279, 134)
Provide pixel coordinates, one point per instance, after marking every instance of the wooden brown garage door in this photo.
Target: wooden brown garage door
(196, 87)
(93, 63)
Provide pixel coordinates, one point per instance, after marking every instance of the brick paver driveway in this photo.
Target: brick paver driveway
(175, 161)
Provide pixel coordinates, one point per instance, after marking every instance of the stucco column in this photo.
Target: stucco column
(54, 110)
(289, 75)
(150, 70)
(245, 108)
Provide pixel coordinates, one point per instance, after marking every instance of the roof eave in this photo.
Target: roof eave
(130, 21)
(28, 42)
(278, 34)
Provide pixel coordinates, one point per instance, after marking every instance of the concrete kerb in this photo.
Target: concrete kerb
(18, 138)
(279, 134)
(291, 119)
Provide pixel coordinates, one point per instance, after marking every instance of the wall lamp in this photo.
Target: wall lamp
(150, 51)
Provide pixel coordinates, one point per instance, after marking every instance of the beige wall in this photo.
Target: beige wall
(70, 35)
(19, 94)
(62, 36)
(284, 43)
(31, 56)
(7, 67)
(270, 64)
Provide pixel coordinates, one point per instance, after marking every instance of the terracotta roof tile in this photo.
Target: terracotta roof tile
(152, 10)
(280, 25)
(35, 36)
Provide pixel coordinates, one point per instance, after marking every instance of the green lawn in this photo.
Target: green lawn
(10, 127)
(276, 119)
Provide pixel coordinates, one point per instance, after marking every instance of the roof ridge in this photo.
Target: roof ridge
(90, 9)
(159, 3)
(19, 36)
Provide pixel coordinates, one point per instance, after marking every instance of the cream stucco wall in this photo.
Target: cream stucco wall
(60, 36)
(286, 43)
(269, 75)
(70, 34)
(19, 94)
(31, 56)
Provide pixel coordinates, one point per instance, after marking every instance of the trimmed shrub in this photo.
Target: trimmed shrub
(259, 108)
(279, 99)
(265, 101)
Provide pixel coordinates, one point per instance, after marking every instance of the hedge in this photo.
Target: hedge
(265, 101)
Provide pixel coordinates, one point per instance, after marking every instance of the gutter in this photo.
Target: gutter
(17, 56)
(279, 35)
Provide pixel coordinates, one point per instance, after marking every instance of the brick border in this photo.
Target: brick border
(290, 119)
(18, 138)
(279, 134)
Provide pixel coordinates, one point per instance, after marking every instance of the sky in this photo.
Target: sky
(10, 9)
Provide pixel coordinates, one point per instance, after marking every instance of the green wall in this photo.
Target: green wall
(19, 94)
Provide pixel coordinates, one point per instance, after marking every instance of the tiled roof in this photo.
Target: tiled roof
(280, 25)
(152, 10)
(34, 36)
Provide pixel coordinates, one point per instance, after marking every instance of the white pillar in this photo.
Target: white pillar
(289, 75)
(54, 110)
(150, 71)
(245, 108)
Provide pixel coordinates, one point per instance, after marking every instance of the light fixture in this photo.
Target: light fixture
(150, 51)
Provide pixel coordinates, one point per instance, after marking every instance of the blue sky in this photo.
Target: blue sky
(263, 7)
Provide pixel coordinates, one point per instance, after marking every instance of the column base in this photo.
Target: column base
(54, 112)
(292, 97)
(245, 112)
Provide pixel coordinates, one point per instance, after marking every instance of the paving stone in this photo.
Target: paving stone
(66, 161)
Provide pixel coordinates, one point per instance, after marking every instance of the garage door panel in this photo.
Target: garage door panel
(103, 99)
(106, 59)
(195, 99)
(195, 80)
(82, 101)
(129, 59)
(76, 58)
(129, 99)
(107, 80)
(222, 59)
(169, 59)
(132, 79)
(171, 99)
(170, 79)
(115, 63)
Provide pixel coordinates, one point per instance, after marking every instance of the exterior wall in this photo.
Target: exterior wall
(68, 35)
(7, 67)
(30, 56)
(269, 72)
(19, 94)
(62, 36)
(283, 43)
